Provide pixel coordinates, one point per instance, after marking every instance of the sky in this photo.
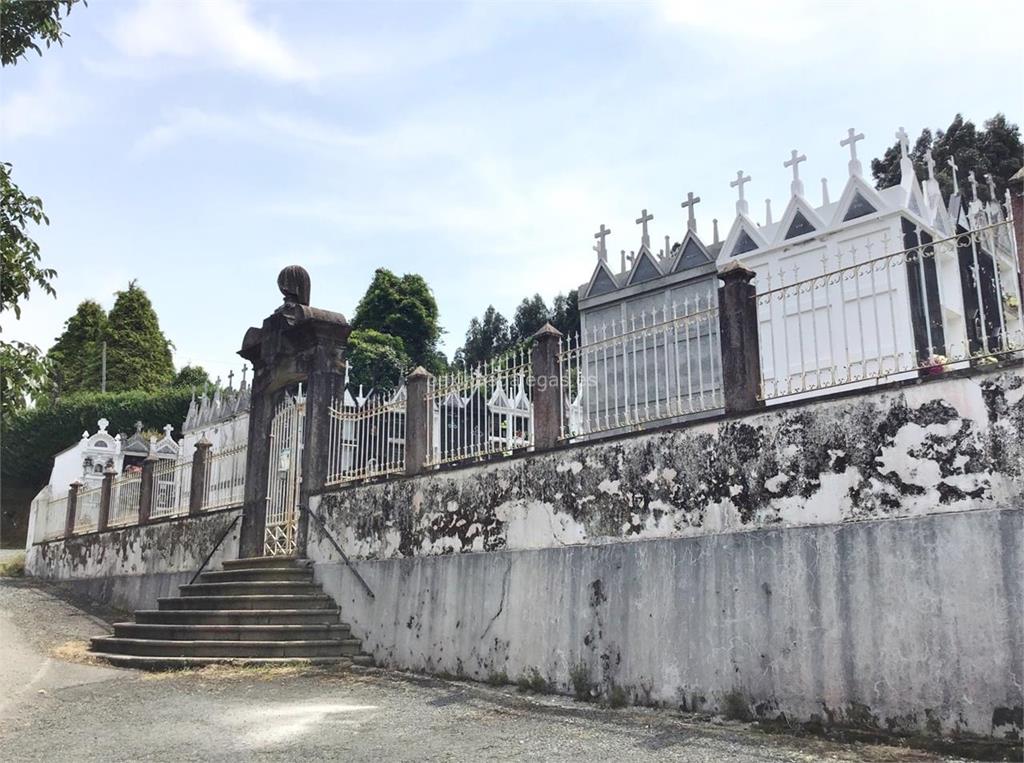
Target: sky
(199, 146)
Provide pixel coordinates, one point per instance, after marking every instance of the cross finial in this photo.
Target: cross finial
(904, 139)
(852, 136)
(231, 378)
(738, 183)
(642, 221)
(691, 223)
(929, 160)
(245, 370)
(991, 183)
(138, 427)
(601, 235)
(956, 184)
(794, 160)
(974, 183)
(168, 428)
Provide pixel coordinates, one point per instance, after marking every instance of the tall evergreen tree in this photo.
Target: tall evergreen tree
(996, 149)
(486, 338)
(75, 358)
(404, 308)
(138, 353)
(531, 314)
(565, 313)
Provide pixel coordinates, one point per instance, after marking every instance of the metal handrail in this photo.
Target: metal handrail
(344, 558)
(216, 545)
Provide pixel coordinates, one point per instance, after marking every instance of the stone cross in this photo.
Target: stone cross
(691, 223)
(642, 221)
(245, 370)
(738, 183)
(956, 185)
(904, 139)
(990, 181)
(974, 183)
(168, 428)
(930, 161)
(797, 186)
(138, 427)
(231, 378)
(601, 235)
(851, 140)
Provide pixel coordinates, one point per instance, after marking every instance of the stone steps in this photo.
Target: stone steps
(225, 632)
(264, 611)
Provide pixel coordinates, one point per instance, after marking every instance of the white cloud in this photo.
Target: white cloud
(221, 32)
(43, 109)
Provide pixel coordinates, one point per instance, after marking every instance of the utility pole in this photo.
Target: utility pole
(103, 377)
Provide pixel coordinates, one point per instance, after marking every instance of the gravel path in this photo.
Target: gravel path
(92, 713)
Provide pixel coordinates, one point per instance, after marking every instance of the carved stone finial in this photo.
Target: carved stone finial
(293, 282)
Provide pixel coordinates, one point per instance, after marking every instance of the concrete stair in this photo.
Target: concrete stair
(255, 611)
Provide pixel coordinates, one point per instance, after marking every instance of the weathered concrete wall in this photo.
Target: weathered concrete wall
(954, 444)
(129, 568)
(904, 624)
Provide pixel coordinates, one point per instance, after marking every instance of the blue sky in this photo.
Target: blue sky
(200, 146)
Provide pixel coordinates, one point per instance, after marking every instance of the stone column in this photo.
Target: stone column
(106, 496)
(737, 319)
(297, 344)
(547, 387)
(200, 476)
(147, 488)
(69, 518)
(418, 421)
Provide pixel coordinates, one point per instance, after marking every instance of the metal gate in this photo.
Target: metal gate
(284, 475)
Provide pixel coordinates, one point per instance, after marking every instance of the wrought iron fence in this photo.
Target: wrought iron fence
(940, 303)
(172, 487)
(225, 477)
(660, 365)
(366, 438)
(483, 411)
(87, 509)
(124, 499)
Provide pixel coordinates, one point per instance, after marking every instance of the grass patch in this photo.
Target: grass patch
(498, 679)
(13, 567)
(533, 681)
(735, 707)
(75, 651)
(617, 697)
(579, 677)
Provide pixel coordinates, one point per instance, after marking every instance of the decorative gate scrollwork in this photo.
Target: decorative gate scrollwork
(284, 475)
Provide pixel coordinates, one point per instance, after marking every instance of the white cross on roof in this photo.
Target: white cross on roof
(739, 182)
(851, 140)
(691, 223)
(602, 252)
(904, 139)
(794, 160)
(956, 184)
(643, 220)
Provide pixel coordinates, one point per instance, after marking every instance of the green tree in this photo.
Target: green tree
(996, 149)
(76, 356)
(530, 315)
(486, 338)
(377, 360)
(565, 313)
(191, 377)
(26, 23)
(404, 308)
(138, 353)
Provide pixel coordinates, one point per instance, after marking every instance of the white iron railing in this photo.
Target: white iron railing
(366, 440)
(916, 311)
(124, 499)
(172, 486)
(284, 477)
(87, 509)
(660, 365)
(225, 477)
(483, 411)
(51, 516)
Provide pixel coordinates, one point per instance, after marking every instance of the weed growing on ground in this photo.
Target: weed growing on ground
(617, 697)
(498, 679)
(533, 681)
(579, 677)
(13, 567)
(735, 707)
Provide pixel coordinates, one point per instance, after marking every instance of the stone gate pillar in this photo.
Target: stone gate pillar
(297, 344)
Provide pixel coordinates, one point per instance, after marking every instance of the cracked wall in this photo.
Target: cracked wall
(950, 445)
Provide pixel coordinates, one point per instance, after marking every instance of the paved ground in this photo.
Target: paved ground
(55, 709)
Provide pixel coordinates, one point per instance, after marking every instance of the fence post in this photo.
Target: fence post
(547, 387)
(418, 415)
(106, 496)
(147, 488)
(737, 320)
(200, 476)
(69, 518)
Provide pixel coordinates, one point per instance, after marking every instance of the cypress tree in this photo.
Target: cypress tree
(75, 357)
(138, 353)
